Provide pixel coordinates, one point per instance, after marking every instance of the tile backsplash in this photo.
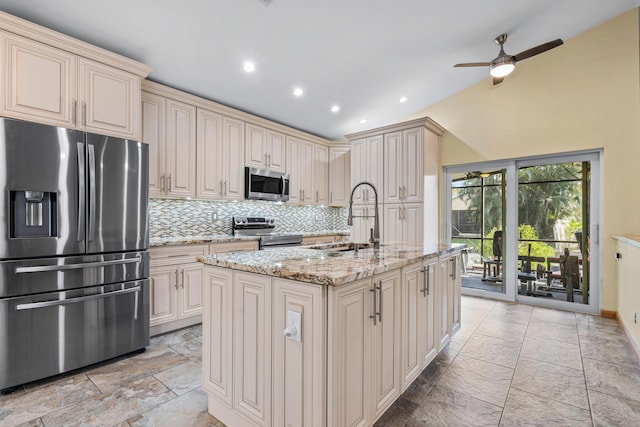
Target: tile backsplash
(178, 218)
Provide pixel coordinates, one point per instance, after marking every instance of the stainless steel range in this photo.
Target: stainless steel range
(264, 228)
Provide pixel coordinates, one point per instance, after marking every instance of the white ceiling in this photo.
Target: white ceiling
(360, 54)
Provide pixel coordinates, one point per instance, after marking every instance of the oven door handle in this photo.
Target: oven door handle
(43, 304)
(42, 268)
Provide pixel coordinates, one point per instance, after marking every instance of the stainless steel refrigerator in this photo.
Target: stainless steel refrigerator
(74, 262)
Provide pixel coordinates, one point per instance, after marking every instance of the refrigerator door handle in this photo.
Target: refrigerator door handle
(81, 192)
(32, 305)
(42, 268)
(92, 192)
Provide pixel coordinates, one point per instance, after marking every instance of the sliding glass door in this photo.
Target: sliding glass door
(531, 227)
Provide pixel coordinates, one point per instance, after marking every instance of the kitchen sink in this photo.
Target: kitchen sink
(342, 246)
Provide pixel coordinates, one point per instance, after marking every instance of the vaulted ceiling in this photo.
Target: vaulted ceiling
(360, 55)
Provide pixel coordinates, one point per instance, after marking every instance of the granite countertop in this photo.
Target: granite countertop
(225, 238)
(326, 266)
(188, 240)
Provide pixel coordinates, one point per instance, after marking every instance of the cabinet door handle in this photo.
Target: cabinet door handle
(266, 161)
(453, 268)
(169, 183)
(269, 162)
(176, 285)
(317, 196)
(225, 187)
(330, 197)
(74, 112)
(375, 303)
(380, 301)
(182, 273)
(84, 114)
(162, 183)
(221, 187)
(424, 281)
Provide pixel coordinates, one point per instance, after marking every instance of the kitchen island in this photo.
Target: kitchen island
(323, 337)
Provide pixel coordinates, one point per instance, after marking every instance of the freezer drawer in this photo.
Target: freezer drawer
(31, 276)
(47, 334)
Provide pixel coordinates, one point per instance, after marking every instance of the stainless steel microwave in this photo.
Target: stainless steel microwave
(264, 184)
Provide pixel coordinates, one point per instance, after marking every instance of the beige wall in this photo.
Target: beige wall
(582, 95)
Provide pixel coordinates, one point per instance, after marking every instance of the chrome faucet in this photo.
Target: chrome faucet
(375, 232)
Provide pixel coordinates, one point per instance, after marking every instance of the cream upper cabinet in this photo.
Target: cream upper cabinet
(53, 86)
(403, 166)
(220, 156)
(293, 146)
(366, 165)
(169, 127)
(264, 148)
(153, 130)
(307, 156)
(109, 100)
(210, 155)
(321, 174)
(181, 149)
(233, 154)
(339, 176)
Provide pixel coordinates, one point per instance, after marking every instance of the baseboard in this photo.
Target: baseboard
(172, 326)
(609, 314)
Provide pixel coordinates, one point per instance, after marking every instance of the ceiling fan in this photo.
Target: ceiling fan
(503, 64)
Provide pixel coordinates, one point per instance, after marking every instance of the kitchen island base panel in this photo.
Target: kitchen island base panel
(346, 370)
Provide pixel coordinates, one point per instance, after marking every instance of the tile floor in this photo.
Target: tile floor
(508, 365)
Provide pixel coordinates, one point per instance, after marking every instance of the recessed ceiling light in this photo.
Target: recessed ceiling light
(363, 121)
(403, 99)
(298, 91)
(335, 108)
(249, 66)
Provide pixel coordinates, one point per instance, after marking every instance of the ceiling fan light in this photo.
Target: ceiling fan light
(501, 67)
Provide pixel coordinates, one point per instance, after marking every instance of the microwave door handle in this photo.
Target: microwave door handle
(92, 192)
(282, 185)
(81, 192)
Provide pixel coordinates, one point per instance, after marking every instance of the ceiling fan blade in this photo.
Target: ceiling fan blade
(537, 50)
(497, 80)
(473, 64)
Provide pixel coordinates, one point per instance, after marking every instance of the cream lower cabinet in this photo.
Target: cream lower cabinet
(364, 349)
(256, 376)
(443, 299)
(456, 290)
(418, 346)
(317, 240)
(49, 85)
(176, 287)
(448, 295)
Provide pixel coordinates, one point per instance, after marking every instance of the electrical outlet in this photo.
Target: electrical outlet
(214, 216)
(293, 329)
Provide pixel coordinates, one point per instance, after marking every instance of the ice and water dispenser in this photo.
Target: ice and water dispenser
(33, 214)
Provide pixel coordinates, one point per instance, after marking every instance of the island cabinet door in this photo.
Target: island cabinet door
(455, 290)
(426, 315)
(386, 342)
(413, 300)
(216, 334)
(350, 328)
(299, 360)
(252, 347)
(442, 301)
